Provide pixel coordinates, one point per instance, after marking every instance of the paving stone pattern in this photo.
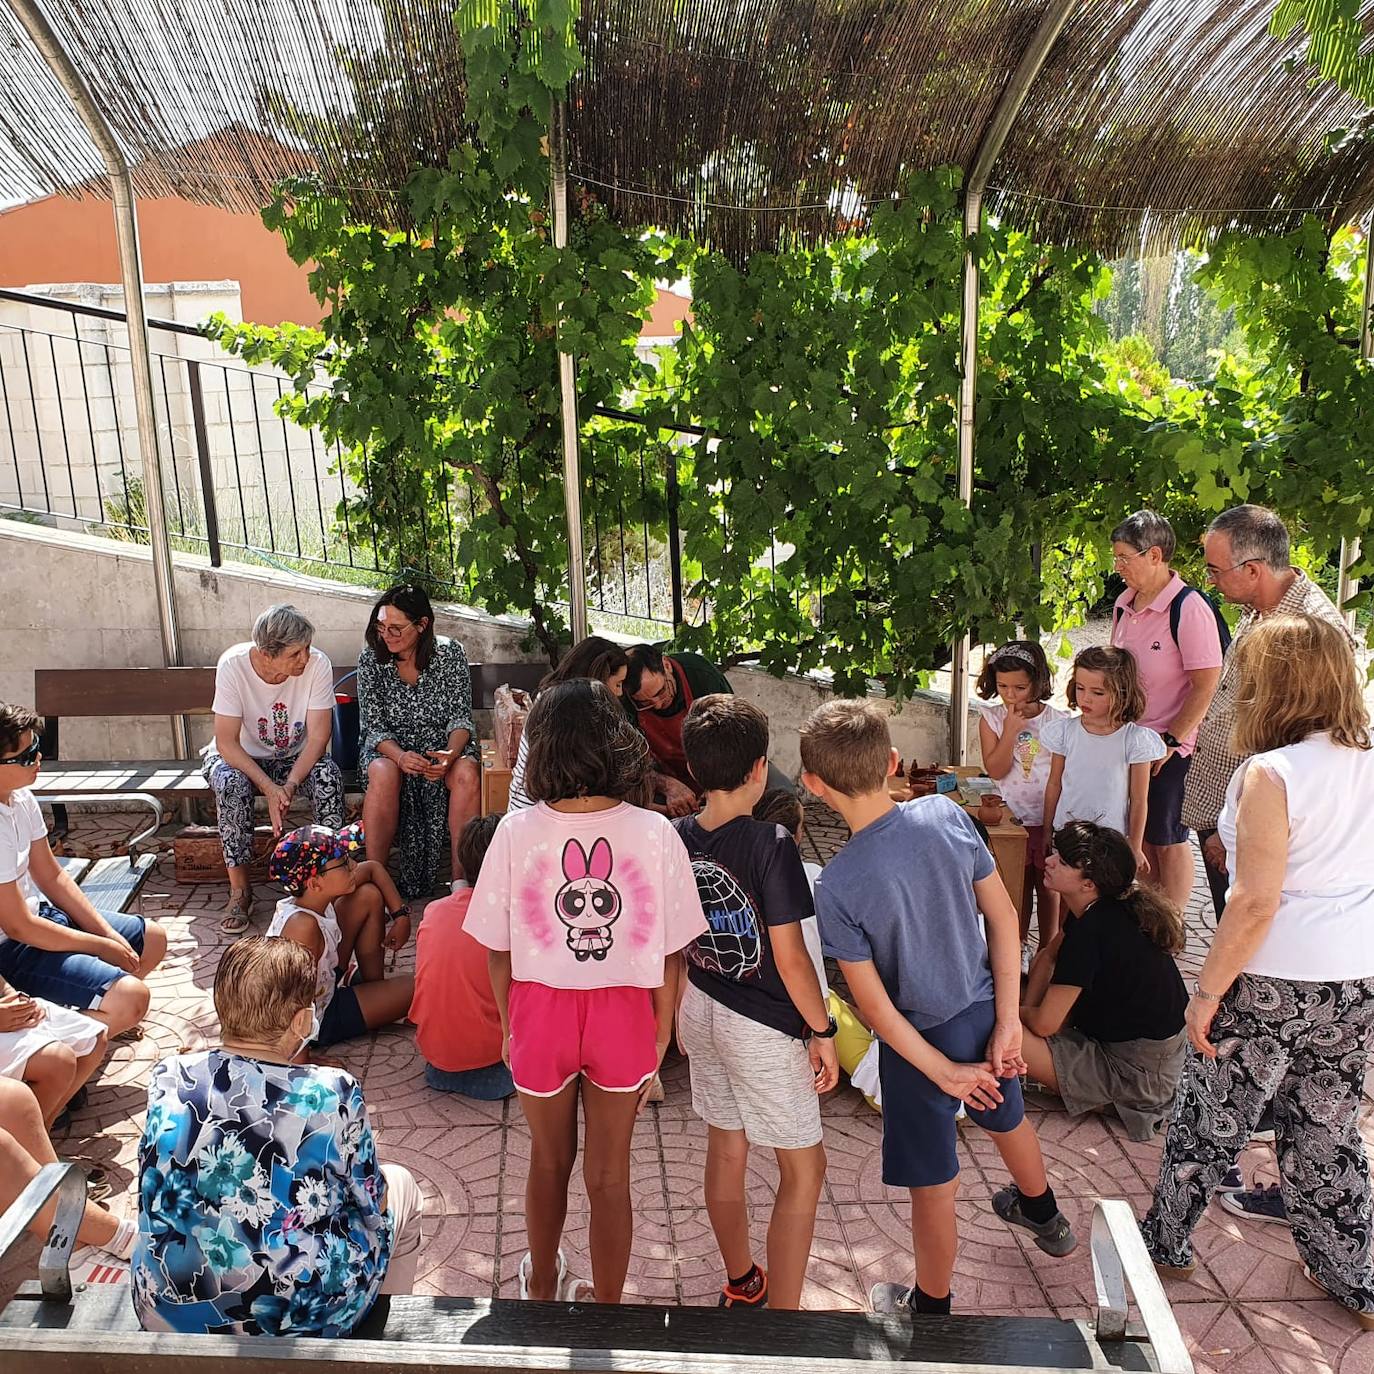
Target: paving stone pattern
(1247, 1310)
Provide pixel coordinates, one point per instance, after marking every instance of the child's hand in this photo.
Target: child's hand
(975, 1085)
(18, 1011)
(505, 1049)
(1142, 864)
(397, 933)
(825, 1064)
(1004, 1049)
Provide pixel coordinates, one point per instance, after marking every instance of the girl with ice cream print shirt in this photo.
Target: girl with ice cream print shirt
(583, 900)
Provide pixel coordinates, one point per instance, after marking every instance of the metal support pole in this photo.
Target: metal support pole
(975, 184)
(1347, 586)
(567, 388)
(131, 271)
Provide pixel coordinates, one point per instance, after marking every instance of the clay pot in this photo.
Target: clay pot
(991, 809)
(923, 781)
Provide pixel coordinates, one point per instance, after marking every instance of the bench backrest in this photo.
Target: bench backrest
(71, 692)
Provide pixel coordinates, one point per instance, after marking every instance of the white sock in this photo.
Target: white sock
(121, 1246)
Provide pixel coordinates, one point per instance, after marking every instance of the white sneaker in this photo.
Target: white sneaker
(890, 1297)
(526, 1264)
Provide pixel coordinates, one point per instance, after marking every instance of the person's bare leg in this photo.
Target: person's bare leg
(553, 1151)
(464, 802)
(154, 948)
(606, 1170)
(727, 1156)
(793, 1223)
(87, 1064)
(381, 808)
(362, 924)
(1035, 1050)
(124, 1005)
(50, 1073)
(1171, 871)
(1020, 1151)
(385, 1000)
(934, 1236)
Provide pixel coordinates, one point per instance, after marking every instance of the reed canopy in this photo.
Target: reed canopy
(748, 124)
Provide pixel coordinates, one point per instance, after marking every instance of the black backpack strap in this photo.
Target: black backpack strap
(1176, 610)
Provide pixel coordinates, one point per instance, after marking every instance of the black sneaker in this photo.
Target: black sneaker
(1054, 1237)
(1233, 1182)
(1259, 1204)
(1263, 1134)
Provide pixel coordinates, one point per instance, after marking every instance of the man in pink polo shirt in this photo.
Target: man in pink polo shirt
(1179, 673)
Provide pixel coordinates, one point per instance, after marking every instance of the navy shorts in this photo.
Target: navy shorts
(63, 976)
(920, 1139)
(343, 1018)
(1163, 815)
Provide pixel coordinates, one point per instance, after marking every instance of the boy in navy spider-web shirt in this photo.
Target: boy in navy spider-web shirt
(753, 1022)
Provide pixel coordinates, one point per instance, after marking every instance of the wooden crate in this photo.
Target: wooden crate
(200, 859)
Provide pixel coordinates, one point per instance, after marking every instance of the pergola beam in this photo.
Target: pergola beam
(50, 48)
(1347, 585)
(990, 145)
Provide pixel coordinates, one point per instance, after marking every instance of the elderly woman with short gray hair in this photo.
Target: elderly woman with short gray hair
(274, 703)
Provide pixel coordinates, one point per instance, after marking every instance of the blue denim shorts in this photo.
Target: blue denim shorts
(920, 1139)
(63, 976)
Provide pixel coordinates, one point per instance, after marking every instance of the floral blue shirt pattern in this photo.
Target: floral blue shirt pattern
(258, 1205)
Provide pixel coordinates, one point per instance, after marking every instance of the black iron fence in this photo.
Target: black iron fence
(242, 481)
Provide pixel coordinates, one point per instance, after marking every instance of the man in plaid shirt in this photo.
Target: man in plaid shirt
(1247, 561)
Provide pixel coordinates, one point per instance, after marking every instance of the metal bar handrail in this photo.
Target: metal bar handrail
(68, 1181)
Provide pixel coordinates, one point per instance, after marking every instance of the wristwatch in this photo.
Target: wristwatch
(1171, 740)
(1206, 996)
(827, 1034)
(402, 910)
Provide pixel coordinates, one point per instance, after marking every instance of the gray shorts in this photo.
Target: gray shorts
(748, 1077)
(1137, 1077)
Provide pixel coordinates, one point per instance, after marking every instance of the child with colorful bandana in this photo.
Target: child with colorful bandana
(343, 912)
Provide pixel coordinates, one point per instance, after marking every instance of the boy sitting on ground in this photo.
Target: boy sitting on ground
(457, 1024)
(753, 1022)
(899, 910)
(343, 912)
(53, 943)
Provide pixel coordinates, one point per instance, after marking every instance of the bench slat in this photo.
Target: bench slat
(112, 883)
(73, 867)
(161, 777)
(477, 1334)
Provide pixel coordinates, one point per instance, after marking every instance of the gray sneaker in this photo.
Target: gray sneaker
(890, 1297)
(1054, 1237)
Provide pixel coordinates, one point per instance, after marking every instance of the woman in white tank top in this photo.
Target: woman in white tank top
(1284, 1006)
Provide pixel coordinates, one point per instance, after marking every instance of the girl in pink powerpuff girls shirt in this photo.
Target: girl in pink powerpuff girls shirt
(583, 901)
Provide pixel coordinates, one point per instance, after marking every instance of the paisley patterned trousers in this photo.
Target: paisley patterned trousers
(235, 794)
(1307, 1046)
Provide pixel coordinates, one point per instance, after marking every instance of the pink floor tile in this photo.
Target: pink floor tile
(1311, 1336)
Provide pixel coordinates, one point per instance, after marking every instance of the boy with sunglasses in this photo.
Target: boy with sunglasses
(53, 943)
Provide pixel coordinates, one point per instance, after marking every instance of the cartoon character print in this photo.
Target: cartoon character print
(1025, 750)
(588, 903)
(283, 737)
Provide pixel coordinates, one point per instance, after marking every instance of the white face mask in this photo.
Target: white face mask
(314, 1029)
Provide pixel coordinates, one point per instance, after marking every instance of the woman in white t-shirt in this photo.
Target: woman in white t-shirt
(274, 704)
(1284, 1006)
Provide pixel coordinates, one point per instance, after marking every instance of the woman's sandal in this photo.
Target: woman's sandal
(523, 1274)
(237, 914)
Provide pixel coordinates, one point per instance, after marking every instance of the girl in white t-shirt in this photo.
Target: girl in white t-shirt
(1018, 674)
(1100, 759)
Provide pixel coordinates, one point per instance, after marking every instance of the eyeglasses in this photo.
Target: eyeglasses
(1120, 560)
(27, 756)
(393, 629)
(345, 863)
(1215, 573)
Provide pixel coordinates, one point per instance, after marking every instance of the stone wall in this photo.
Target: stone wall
(79, 601)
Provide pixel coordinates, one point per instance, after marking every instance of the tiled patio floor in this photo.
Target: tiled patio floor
(1246, 1311)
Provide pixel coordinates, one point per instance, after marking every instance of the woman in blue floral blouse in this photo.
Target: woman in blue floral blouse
(419, 757)
(262, 1208)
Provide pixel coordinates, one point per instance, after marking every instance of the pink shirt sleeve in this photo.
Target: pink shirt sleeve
(683, 919)
(488, 918)
(1199, 644)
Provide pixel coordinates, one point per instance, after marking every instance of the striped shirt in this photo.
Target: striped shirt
(1214, 763)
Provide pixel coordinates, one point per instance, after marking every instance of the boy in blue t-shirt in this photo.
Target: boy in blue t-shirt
(898, 908)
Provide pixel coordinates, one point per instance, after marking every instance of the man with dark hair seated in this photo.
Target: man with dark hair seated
(661, 688)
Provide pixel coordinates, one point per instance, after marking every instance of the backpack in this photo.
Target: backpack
(1176, 610)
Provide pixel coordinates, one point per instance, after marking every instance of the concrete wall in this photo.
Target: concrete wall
(77, 601)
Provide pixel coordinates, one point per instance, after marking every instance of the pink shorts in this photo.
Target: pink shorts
(1035, 847)
(557, 1034)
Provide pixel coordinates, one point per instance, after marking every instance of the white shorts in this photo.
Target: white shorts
(748, 1077)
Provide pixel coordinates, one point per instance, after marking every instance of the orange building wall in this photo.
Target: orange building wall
(61, 240)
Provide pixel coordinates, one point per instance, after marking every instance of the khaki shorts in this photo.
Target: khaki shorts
(1137, 1077)
(748, 1077)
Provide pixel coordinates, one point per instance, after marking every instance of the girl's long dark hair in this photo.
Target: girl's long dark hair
(1105, 858)
(583, 745)
(413, 603)
(594, 657)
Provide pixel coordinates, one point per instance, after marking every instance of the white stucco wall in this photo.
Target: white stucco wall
(79, 601)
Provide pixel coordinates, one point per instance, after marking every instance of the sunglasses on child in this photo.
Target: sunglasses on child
(28, 756)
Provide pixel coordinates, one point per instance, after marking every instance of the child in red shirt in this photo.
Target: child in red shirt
(457, 1025)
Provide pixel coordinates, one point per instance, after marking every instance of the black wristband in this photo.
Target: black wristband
(1169, 739)
(402, 910)
(827, 1034)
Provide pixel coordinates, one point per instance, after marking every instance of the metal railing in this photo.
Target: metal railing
(244, 482)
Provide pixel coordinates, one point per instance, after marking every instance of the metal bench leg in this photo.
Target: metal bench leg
(1121, 1259)
(68, 1181)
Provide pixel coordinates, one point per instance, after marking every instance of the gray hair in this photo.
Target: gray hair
(1257, 535)
(1146, 529)
(280, 628)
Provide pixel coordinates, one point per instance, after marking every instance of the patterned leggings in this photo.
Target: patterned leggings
(1307, 1046)
(235, 793)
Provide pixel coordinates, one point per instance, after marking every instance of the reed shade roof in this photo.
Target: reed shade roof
(747, 123)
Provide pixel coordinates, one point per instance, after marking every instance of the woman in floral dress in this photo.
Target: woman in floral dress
(419, 757)
(262, 1208)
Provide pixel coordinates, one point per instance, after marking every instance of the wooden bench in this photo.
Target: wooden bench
(64, 693)
(92, 1330)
